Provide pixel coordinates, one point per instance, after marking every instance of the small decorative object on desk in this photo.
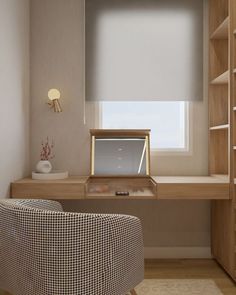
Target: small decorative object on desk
(44, 165)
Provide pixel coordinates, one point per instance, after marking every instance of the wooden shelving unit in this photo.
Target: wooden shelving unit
(222, 117)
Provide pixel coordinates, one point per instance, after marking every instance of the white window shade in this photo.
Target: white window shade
(144, 50)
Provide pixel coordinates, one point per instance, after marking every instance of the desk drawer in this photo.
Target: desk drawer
(48, 190)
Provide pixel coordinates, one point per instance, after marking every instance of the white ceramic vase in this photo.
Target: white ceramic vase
(43, 166)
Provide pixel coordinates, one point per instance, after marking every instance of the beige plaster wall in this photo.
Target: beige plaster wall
(57, 60)
(14, 92)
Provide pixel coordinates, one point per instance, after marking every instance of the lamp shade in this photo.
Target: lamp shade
(54, 94)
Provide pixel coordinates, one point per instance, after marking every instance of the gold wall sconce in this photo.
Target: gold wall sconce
(54, 96)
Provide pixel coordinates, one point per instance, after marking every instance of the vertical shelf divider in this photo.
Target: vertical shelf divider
(222, 142)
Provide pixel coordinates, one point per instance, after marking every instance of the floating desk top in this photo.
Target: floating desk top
(167, 187)
(218, 179)
(69, 180)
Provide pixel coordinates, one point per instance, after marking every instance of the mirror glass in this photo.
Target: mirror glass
(120, 156)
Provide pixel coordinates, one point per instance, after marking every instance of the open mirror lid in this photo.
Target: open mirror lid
(116, 152)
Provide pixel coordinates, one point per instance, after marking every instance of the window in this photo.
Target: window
(168, 121)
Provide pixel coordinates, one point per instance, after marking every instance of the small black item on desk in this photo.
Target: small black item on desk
(120, 193)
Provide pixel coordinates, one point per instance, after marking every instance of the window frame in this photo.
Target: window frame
(187, 150)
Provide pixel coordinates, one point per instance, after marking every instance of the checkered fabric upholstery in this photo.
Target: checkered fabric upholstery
(45, 251)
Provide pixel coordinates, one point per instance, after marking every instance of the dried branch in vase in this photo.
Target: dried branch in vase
(46, 153)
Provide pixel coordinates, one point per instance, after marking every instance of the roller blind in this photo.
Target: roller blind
(144, 50)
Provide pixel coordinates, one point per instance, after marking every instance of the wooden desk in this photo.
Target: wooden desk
(75, 187)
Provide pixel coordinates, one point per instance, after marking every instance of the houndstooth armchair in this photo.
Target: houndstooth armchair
(45, 251)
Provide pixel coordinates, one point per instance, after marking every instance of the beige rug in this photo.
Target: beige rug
(178, 287)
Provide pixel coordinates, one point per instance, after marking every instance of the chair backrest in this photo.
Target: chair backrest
(23, 226)
(45, 251)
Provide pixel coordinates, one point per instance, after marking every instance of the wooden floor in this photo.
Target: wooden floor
(190, 269)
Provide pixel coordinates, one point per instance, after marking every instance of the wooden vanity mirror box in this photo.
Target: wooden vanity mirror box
(120, 164)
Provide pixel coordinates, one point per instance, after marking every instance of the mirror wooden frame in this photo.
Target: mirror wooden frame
(116, 133)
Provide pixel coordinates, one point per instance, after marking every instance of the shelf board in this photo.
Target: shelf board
(219, 127)
(222, 31)
(221, 79)
(224, 178)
